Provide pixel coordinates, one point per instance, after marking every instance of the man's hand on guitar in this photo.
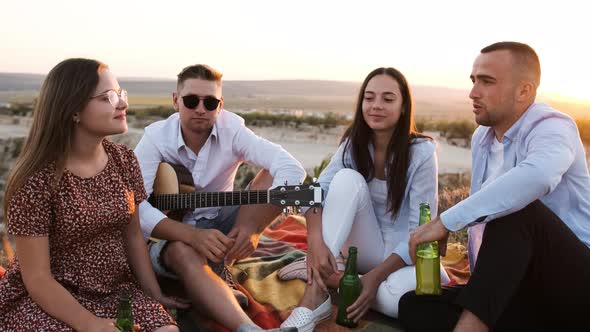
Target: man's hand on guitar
(211, 243)
(246, 241)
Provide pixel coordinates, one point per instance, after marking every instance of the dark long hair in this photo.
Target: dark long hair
(65, 91)
(359, 136)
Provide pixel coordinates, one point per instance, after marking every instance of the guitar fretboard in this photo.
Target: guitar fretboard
(208, 199)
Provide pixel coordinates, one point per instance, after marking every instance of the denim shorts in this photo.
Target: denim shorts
(224, 222)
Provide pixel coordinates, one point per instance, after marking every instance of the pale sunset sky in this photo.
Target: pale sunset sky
(431, 42)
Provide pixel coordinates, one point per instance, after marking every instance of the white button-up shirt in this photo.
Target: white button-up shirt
(214, 168)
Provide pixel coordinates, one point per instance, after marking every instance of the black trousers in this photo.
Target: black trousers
(532, 274)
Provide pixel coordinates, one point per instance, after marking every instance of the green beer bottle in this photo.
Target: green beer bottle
(428, 261)
(124, 314)
(348, 290)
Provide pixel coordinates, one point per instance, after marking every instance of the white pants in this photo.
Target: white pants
(348, 219)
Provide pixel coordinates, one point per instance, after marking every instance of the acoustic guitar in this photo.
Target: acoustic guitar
(173, 190)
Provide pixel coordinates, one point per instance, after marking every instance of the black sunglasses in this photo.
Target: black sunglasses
(192, 102)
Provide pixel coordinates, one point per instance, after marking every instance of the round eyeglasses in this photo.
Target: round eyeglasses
(113, 96)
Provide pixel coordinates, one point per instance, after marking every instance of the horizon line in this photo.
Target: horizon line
(553, 96)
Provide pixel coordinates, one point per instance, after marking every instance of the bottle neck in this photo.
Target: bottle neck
(424, 217)
(351, 265)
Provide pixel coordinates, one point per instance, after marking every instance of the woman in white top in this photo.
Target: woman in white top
(374, 184)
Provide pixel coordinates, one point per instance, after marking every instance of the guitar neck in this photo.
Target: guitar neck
(197, 200)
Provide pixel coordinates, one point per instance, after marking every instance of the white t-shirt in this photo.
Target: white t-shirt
(495, 162)
(493, 171)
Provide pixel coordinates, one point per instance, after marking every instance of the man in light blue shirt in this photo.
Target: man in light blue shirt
(528, 213)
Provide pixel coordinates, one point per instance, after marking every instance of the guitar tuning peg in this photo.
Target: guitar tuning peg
(285, 182)
(285, 210)
(315, 210)
(314, 180)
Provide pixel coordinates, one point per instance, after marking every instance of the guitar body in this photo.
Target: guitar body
(169, 182)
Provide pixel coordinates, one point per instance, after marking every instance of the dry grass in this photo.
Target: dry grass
(150, 100)
(448, 198)
(453, 188)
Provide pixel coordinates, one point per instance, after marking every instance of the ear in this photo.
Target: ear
(175, 101)
(220, 107)
(525, 91)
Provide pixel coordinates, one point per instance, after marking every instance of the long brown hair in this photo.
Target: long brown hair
(398, 149)
(65, 91)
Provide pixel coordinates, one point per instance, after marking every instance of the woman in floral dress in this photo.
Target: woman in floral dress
(71, 205)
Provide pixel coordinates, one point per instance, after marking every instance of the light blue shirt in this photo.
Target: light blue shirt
(421, 187)
(543, 159)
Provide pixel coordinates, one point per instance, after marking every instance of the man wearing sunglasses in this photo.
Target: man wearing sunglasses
(211, 143)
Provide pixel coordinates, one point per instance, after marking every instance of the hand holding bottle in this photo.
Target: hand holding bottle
(370, 284)
(428, 257)
(432, 231)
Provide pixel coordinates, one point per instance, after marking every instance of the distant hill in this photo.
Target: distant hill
(16, 82)
(32, 82)
(20, 82)
(306, 95)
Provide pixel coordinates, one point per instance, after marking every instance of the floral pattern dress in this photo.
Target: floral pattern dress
(84, 219)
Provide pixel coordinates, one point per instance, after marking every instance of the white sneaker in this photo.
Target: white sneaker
(305, 319)
(247, 327)
(295, 270)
